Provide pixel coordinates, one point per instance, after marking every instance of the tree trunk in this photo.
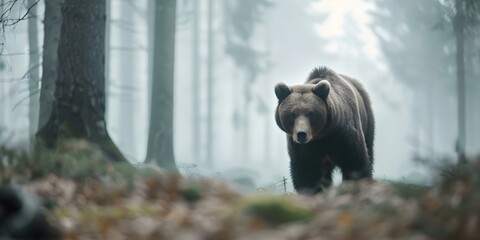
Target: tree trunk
(3, 89)
(127, 71)
(210, 85)
(79, 103)
(268, 136)
(160, 139)
(431, 121)
(472, 99)
(33, 67)
(246, 120)
(52, 22)
(236, 120)
(459, 23)
(196, 83)
(108, 28)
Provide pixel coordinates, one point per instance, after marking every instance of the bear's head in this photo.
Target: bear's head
(302, 110)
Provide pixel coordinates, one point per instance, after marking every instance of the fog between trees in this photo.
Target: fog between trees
(224, 58)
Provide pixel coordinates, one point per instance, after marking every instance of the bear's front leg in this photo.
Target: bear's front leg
(310, 178)
(311, 170)
(351, 155)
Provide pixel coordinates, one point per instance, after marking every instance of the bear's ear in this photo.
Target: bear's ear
(322, 89)
(282, 91)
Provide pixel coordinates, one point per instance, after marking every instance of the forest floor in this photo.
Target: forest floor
(108, 202)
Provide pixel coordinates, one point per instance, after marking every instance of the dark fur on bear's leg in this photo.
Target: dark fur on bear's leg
(349, 151)
(311, 169)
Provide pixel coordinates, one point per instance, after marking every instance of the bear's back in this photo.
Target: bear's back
(344, 85)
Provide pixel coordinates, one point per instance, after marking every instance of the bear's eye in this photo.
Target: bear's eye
(310, 114)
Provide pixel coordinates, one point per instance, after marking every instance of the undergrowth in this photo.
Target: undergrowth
(449, 208)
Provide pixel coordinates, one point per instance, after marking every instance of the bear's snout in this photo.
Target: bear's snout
(301, 137)
(301, 130)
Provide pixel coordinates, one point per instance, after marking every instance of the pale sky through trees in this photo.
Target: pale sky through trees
(332, 27)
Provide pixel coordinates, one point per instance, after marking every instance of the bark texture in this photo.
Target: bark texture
(79, 101)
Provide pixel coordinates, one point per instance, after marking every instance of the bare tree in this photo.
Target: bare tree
(196, 81)
(210, 85)
(11, 13)
(127, 72)
(108, 28)
(52, 23)
(160, 139)
(79, 105)
(459, 28)
(9, 7)
(33, 66)
(3, 102)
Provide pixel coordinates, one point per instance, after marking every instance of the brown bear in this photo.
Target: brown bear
(329, 123)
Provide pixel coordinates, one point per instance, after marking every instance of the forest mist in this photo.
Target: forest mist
(229, 54)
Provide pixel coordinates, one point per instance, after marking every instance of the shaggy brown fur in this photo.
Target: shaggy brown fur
(329, 123)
